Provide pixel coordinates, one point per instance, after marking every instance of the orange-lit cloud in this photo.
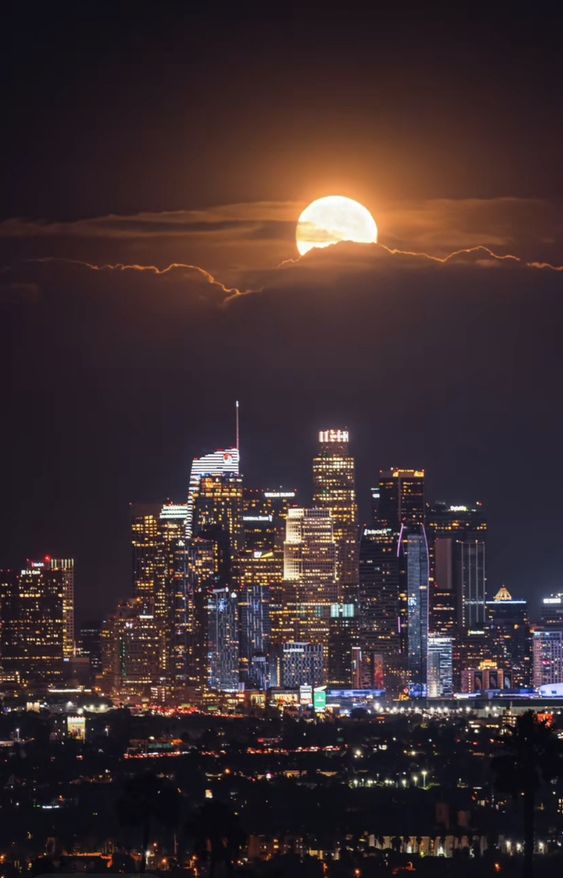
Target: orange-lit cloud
(257, 235)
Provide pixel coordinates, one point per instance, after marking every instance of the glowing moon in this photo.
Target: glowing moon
(332, 219)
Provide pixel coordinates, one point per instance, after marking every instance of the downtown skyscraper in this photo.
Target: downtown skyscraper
(310, 571)
(334, 488)
(394, 578)
(32, 629)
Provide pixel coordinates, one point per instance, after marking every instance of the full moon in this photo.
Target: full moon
(332, 219)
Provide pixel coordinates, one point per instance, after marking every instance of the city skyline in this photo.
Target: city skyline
(87, 610)
(243, 588)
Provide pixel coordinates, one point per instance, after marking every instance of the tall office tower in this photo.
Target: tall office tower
(310, 557)
(260, 570)
(457, 540)
(66, 565)
(334, 489)
(222, 640)
(144, 543)
(401, 498)
(217, 516)
(383, 592)
(160, 574)
(130, 646)
(547, 647)
(510, 638)
(32, 631)
(281, 499)
(217, 540)
(343, 642)
(171, 598)
(379, 598)
(203, 565)
(440, 666)
(254, 620)
(218, 463)
(413, 551)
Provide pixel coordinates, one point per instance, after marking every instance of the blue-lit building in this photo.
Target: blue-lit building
(222, 640)
(413, 548)
(254, 610)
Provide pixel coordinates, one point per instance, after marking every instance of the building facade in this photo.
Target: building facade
(547, 647)
(334, 489)
(32, 629)
(310, 565)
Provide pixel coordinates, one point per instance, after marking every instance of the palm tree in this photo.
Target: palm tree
(147, 798)
(532, 755)
(216, 835)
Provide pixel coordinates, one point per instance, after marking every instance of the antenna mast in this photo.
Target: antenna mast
(237, 433)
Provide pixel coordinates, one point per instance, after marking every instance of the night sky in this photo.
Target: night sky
(182, 141)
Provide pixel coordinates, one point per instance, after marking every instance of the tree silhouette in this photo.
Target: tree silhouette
(532, 755)
(216, 835)
(147, 798)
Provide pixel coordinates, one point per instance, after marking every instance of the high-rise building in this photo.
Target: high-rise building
(379, 594)
(440, 666)
(203, 568)
(172, 602)
(260, 565)
(258, 570)
(160, 578)
(334, 489)
(413, 549)
(310, 555)
(280, 500)
(130, 645)
(222, 640)
(144, 544)
(547, 646)
(218, 463)
(510, 639)
(342, 643)
(32, 629)
(217, 516)
(401, 498)
(457, 540)
(384, 583)
(66, 565)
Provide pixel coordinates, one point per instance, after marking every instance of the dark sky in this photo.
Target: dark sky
(148, 134)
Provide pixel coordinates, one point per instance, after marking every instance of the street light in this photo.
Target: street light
(424, 773)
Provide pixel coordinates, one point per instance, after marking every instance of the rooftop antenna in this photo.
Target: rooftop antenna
(237, 433)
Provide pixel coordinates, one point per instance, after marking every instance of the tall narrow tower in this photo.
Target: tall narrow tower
(334, 489)
(309, 577)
